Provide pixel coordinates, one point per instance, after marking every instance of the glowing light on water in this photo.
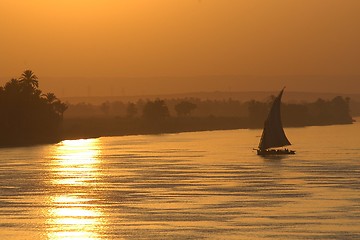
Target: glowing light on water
(73, 214)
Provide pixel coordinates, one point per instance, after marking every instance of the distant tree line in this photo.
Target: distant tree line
(182, 115)
(186, 107)
(355, 108)
(320, 112)
(28, 116)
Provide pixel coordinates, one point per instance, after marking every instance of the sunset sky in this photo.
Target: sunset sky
(112, 47)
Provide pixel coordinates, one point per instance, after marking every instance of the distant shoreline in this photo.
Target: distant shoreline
(75, 129)
(108, 127)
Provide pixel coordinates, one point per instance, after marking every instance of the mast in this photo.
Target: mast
(273, 134)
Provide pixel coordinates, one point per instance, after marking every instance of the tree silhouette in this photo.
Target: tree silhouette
(28, 78)
(131, 110)
(27, 116)
(105, 107)
(60, 108)
(184, 108)
(155, 110)
(50, 97)
(257, 112)
(12, 87)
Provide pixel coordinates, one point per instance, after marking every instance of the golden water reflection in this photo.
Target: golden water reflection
(74, 213)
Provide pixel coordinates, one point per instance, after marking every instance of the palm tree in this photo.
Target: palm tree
(60, 107)
(12, 86)
(50, 97)
(28, 78)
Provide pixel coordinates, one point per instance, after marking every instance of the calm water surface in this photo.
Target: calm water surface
(207, 185)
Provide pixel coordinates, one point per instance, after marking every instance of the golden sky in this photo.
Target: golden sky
(117, 39)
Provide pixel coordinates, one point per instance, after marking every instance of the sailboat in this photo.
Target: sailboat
(273, 136)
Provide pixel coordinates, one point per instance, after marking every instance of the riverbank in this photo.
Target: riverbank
(83, 128)
(78, 128)
(97, 127)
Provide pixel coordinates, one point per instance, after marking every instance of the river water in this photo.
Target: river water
(205, 185)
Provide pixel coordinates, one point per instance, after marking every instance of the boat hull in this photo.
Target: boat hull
(275, 152)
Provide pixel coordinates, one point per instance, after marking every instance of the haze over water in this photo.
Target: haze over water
(205, 185)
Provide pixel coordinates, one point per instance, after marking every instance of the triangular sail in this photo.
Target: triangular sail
(273, 134)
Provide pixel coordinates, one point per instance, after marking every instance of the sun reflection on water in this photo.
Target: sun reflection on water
(74, 213)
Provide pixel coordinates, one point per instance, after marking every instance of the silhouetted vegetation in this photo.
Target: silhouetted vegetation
(168, 116)
(184, 108)
(27, 115)
(131, 110)
(355, 108)
(320, 112)
(155, 110)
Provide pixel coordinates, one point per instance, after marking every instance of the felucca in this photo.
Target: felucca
(273, 137)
